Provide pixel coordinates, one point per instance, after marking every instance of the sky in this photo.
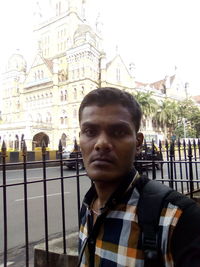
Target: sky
(157, 35)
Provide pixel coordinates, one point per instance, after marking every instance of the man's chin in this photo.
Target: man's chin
(103, 176)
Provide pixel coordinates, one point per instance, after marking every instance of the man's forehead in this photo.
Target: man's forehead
(111, 109)
(113, 114)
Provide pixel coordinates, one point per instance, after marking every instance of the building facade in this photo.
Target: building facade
(40, 103)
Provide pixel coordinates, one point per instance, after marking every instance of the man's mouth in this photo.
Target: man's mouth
(101, 160)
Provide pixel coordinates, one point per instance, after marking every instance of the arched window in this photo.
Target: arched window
(39, 117)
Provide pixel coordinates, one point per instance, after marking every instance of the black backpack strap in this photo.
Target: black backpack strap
(149, 208)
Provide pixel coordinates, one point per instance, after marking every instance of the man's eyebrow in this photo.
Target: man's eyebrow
(88, 124)
(114, 124)
(120, 123)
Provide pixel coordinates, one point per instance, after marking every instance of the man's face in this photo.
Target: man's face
(108, 142)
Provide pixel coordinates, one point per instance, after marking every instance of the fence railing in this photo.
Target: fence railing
(174, 164)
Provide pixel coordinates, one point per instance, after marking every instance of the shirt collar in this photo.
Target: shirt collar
(127, 182)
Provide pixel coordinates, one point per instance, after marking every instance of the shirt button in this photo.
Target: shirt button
(91, 242)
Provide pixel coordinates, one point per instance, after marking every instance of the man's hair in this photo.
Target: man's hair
(111, 96)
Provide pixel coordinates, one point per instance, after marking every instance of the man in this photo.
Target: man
(110, 233)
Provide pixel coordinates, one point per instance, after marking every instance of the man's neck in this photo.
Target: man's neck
(104, 192)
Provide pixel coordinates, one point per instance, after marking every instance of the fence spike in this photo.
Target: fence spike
(171, 149)
(145, 145)
(194, 143)
(60, 148)
(160, 145)
(76, 147)
(179, 142)
(24, 148)
(184, 143)
(3, 149)
(43, 147)
(166, 144)
(189, 149)
(152, 147)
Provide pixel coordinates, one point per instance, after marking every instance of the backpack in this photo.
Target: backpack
(154, 194)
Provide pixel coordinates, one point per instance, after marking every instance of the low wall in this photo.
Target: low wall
(17, 156)
(14, 159)
(56, 256)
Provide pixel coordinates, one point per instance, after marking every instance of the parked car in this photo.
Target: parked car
(70, 158)
(148, 155)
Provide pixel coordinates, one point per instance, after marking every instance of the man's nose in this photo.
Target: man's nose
(103, 142)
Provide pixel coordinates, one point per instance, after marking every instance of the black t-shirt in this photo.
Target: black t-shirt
(186, 238)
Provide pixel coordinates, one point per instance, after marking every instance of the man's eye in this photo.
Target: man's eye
(89, 132)
(119, 133)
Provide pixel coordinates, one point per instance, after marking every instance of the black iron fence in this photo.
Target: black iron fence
(175, 164)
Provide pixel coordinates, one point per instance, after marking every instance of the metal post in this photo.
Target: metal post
(3, 154)
(62, 197)
(24, 154)
(190, 169)
(171, 164)
(45, 202)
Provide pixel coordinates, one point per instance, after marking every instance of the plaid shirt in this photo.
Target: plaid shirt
(117, 241)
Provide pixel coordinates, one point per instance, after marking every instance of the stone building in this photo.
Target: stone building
(40, 103)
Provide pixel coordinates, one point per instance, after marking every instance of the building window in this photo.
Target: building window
(75, 93)
(65, 120)
(58, 8)
(61, 95)
(18, 104)
(118, 74)
(65, 96)
(74, 113)
(83, 71)
(83, 90)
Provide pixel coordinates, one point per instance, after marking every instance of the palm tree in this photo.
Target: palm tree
(167, 116)
(147, 103)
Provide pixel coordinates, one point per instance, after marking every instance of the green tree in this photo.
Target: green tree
(147, 102)
(188, 110)
(167, 116)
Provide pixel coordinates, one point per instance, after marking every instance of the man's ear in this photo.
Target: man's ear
(139, 141)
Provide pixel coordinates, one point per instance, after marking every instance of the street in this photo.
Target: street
(15, 205)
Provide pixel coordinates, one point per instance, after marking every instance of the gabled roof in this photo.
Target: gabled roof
(159, 85)
(115, 58)
(39, 60)
(46, 64)
(196, 98)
